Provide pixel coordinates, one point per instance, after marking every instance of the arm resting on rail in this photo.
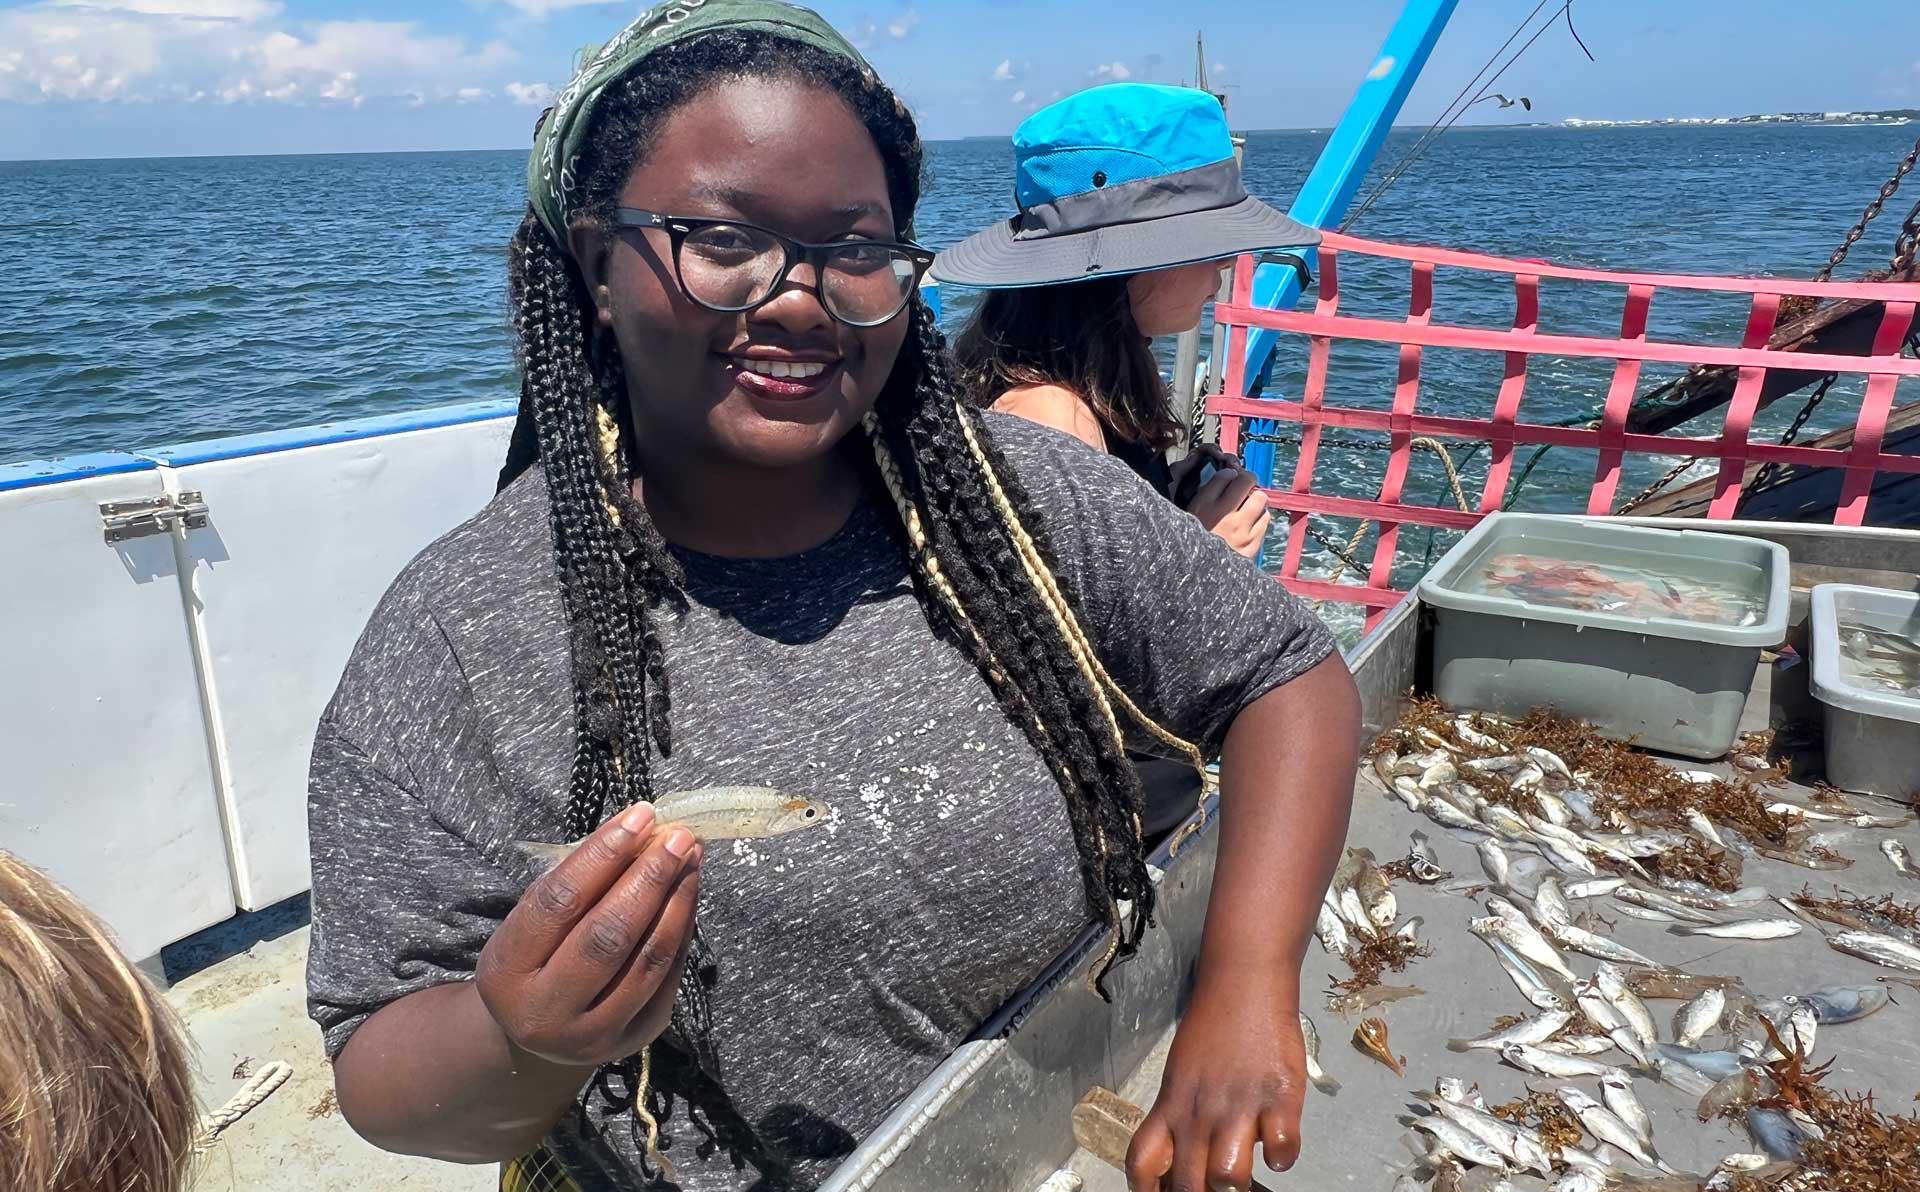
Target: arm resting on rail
(1237, 1069)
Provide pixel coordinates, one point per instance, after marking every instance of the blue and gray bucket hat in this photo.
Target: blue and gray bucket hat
(1120, 179)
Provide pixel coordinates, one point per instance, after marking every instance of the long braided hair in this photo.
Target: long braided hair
(978, 551)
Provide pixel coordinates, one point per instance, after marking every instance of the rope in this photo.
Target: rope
(262, 1085)
(1345, 554)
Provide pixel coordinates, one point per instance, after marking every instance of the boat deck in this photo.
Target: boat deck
(1352, 1140)
(249, 1007)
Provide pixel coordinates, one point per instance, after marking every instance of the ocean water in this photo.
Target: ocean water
(153, 302)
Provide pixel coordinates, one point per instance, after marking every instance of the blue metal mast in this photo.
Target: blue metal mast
(1336, 177)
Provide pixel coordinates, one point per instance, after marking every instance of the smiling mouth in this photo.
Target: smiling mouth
(782, 380)
(798, 370)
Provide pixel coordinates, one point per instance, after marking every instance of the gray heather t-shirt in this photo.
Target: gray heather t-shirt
(850, 959)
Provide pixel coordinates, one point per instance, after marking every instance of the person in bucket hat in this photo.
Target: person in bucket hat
(1130, 205)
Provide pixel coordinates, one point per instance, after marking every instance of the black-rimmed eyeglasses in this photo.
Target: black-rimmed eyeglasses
(730, 266)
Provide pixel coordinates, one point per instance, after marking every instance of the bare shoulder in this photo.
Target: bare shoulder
(1055, 406)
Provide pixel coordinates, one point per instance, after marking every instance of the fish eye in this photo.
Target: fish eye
(811, 812)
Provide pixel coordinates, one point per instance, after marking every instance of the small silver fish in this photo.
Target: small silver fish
(1598, 887)
(1440, 773)
(1347, 1004)
(1900, 858)
(1550, 903)
(1698, 1017)
(1448, 816)
(1681, 1077)
(1580, 1045)
(1590, 943)
(1617, 1092)
(1716, 1065)
(1549, 761)
(1512, 926)
(1703, 827)
(1494, 861)
(1504, 764)
(714, 813)
(1742, 929)
(1547, 1063)
(1319, 1077)
(1604, 1125)
(1332, 931)
(1532, 1030)
(1738, 1091)
(1557, 810)
(1531, 984)
(1408, 791)
(1463, 728)
(1579, 1180)
(1881, 949)
(1456, 1140)
(1516, 1143)
(1634, 911)
(1613, 986)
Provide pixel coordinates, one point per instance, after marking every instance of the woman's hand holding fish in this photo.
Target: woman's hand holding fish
(584, 969)
(1236, 1075)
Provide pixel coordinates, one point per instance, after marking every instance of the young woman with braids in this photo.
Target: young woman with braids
(747, 534)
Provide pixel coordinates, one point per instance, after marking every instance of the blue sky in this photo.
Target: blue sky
(112, 78)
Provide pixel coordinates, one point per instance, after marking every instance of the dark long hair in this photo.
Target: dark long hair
(1080, 336)
(978, 552)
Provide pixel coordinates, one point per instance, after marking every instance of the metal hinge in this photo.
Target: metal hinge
(152, 515)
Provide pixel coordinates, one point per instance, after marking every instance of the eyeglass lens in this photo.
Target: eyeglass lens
(730, 267)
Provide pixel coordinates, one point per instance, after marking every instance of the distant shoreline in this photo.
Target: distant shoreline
(1891, 118)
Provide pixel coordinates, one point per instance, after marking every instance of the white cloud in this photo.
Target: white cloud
(1111, 70)
(903, 24)
(1019, 97)
(540, 8)
(1002, 72)
(1219, 68)
(232, 51)
(534, 95)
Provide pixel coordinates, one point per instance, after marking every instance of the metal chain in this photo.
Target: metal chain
(1873, 210)
(1907, 244)
(1763, 478)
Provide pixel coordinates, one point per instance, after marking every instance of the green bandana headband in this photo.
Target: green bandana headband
(551, 179)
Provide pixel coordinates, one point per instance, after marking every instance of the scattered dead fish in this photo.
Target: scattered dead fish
(1332, 931)
(1531, 984)
(1703, 827)
(1900, 858)
(1604, 1125)
(1348, 1004)
(1532, 1030)
(1457, 1140)
(1463, 728)
(1511, 925)
(1590, 943)
(1376, 893)
(1654, 900)
(1616, 1090)
(1547, 1063)
(1318, 1075)
(1596, 888)
(1699, 1016)
(715, 813)
(1371, 1038)
(1881, 949)
(1580, 1045)
(1741, 929)
(1514, 1143)
(1633, 911)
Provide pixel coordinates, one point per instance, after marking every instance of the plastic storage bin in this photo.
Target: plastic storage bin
(1650, 635)
(1873, 729)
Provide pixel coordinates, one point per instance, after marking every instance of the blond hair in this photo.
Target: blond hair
(96, 1091)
